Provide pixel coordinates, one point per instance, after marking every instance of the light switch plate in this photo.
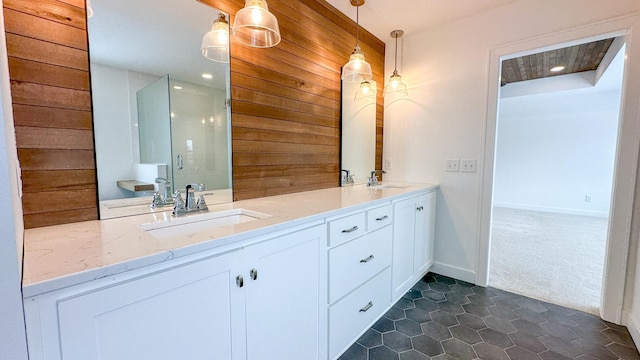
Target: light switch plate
(453, 165)
(468, 165)
(387, 164)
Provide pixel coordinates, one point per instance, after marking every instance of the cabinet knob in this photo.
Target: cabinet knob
(420, 208)
(239, 281)
(350, 230)
(254, 274)
(367, 307)
(382, 218)
(367, 259)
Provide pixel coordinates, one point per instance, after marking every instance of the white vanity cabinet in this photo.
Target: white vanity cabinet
(192, 310)
(300, 289)
(413, 240)
(283, 294)
(258, 302)
(359, 274)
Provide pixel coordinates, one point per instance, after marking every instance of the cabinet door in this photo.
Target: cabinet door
(404, 216)
(188, 312)
(424, 235)
(283, 302)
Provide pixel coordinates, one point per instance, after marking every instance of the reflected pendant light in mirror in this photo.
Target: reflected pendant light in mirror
(357, 69)
(215, 43)
(255, 26)
(396, 86)
(366, 91)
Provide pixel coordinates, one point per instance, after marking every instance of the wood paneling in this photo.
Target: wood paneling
(285, 104)
(47, 159)
(50, 90)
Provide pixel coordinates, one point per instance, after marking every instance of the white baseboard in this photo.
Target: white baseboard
(454, 272)
(633, 325)
(550, 209)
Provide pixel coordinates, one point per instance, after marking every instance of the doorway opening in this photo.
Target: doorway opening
(554, 163)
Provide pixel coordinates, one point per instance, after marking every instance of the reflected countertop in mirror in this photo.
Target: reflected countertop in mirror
(161, 109)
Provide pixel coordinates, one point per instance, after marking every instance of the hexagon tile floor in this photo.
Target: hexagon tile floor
(444, 318)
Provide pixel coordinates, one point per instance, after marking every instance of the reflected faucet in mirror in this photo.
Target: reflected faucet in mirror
(160, 200)
(346, 178)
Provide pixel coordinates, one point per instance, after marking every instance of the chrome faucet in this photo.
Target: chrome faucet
(373, 180)
(190, 204)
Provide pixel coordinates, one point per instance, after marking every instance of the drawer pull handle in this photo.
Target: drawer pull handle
(254, 274)
(382, 218)
(239, 281)
(367, 259)
(350, 230)
(367, 307)
(420, 208)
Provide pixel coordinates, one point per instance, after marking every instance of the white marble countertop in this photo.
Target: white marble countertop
(65, 255)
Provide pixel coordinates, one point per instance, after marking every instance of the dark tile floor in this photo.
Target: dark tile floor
(444, 318)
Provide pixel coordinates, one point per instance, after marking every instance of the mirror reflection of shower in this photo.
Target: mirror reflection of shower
(184, 132)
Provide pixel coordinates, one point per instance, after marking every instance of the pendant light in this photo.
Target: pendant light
(89, 9)
(357, 69)
(255, 26)
(395, 85)
(215, 43)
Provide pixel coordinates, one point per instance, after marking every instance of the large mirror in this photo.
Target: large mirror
(358, 132)
(161, 110)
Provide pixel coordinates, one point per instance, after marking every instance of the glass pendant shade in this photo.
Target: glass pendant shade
(396, 86)
(255, 26)
(215, 43)
(367, 90)
(89, 9)
(357, 69)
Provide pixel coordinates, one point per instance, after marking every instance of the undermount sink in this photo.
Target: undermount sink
(201, 222)
(387, 186)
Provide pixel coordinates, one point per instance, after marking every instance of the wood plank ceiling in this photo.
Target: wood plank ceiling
(285, 104)
(575, 59)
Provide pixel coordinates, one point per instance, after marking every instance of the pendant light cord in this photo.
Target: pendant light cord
(395, 64)
(357, 25)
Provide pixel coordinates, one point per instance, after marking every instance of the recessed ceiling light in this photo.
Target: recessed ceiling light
(177, 87)
(557, 68)
(207, 76)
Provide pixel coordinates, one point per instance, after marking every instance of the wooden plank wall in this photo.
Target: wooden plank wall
(49, 73)
(285, 104)
(286, 99)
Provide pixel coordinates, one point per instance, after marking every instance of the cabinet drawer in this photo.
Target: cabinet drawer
(379, 217)
(355, 262)
(346, 228)
(356, 312)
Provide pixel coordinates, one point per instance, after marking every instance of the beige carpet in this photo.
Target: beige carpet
(552, 257)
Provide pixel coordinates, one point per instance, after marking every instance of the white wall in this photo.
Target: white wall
(13, 343)
(446, 69)
(113, 93)
(555, 149)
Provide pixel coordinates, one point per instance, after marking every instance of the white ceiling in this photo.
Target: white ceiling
(381, 17)
(156, 37)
